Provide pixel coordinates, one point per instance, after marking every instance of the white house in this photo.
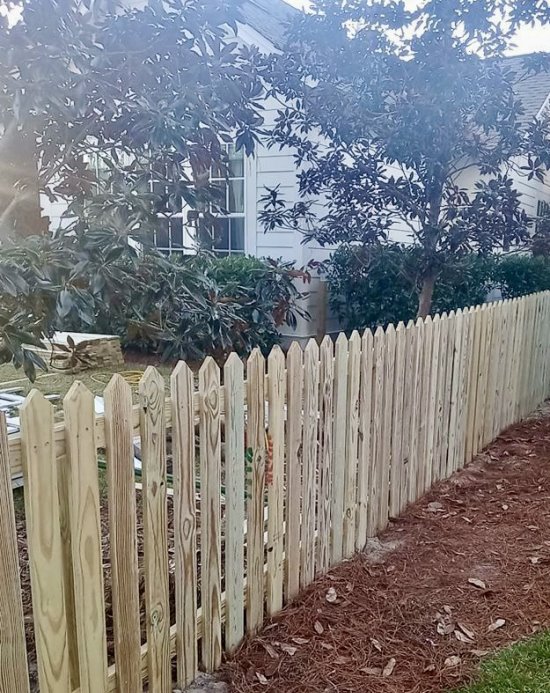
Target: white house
(265, 27)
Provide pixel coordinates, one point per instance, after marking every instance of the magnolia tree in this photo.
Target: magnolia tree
(387, 104)
(148, 94)
(142, 92)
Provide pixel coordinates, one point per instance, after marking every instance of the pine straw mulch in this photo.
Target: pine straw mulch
(406, 618)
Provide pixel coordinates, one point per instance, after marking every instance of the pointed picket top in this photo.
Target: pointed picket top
(180, 372)
(367, 339)
(255, 360)
(294, 350)
(390, 329)
(428, 320)
(419, 322)
(150, 381)
(233, 364)
(436, 318)
(379, 332)
(341, 341)
(452, 314)
(326, 343)
(35, 401)
(78, 392)
(400, 326)
(276, 354)
(410, 324)
(444, 315)
(459, 312)
(312, 349)
(117, 388)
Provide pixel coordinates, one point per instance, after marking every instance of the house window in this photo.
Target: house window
(543, 211)
(227, 234)
(229, 228)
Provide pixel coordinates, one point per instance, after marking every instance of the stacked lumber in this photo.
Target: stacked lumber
(74, 352)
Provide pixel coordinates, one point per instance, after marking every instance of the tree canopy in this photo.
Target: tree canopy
(387, 107)
(151, 90)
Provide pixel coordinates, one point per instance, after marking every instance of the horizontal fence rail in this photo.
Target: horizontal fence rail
(255, 478)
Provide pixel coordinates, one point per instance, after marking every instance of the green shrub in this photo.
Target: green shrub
(94, 281)
(517, 275)
(378, 285)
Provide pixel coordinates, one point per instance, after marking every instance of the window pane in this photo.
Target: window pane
(236, 163)
(176, 228)
(221, 235)
(163, 233)
(237, 235)
(236, 196)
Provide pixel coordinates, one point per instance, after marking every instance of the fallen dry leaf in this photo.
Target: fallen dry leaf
(452, 661)
(376, 644)
(462, 637)
(318, 627)
(261, 678)
(372, 671)
(288, 649)
(477, 583)
(534, 560)
(300, 641)
(331, 595)
(467, 632)
(270, 650)
(479, 653)
(495, 625)
(388, 669)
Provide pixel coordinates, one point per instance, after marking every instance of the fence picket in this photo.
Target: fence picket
(434, 363)
(386, 449)
(185, 522)
(424, 406)
(309, 453)
(294, 363)
(465, 359)
(155, 529)
(233, 377)
(119, 449)
(473, 384)
(454, 413)
(255, 457)
(275, 480)
(396, 470)
(326, 357)
(408, 402)
(365, 424)
(376, 455)
(44, 544)
(416, 411)
(78, 408)
(352, 444)
(13, 656)
(339, 439)
(210, 476)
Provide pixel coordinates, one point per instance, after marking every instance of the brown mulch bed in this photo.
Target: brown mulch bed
(407, 603)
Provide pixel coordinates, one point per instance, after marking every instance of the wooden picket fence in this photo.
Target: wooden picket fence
(249, 488)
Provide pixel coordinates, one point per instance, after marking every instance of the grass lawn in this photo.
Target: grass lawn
(58, 383)
(521, 668)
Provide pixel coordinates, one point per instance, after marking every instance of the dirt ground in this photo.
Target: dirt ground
(464, 571)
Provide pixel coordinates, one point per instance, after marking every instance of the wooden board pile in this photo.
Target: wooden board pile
(74, 352)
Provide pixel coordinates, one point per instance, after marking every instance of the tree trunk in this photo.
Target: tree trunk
(425, 296)
(20, 212)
